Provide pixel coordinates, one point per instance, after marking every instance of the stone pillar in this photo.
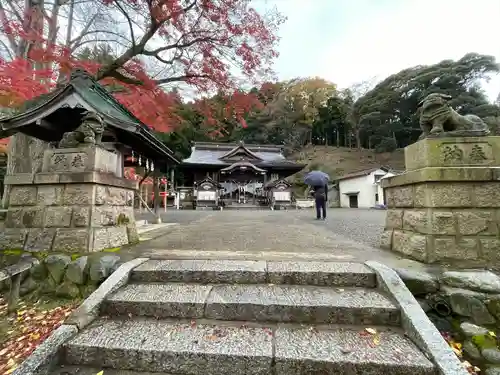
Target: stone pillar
(446, 206)
(76, 204)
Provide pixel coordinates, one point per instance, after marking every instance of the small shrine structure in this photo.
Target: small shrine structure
(242, 170)
(80, 200)
(279, 193)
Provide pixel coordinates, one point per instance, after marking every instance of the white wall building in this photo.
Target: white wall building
(362, 189)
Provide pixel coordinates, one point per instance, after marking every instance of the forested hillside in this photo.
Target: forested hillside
(338, 161)
(376, 119)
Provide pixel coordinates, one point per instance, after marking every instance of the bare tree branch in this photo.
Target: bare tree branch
(14, 11)
(84, 32)
(97, 41)
(179, 45)
(3, 19)
(185, 77)
(129, 22)
(7, 49)
(70, 23)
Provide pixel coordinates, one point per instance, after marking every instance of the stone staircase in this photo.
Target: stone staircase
(194, 317)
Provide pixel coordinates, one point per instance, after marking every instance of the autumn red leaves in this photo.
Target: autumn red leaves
(23, 331)
(204, 45)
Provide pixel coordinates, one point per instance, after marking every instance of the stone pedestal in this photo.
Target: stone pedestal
(446, 206)
(76, 204)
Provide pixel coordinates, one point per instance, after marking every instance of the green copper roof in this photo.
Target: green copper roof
(94, 94)
(64, 107)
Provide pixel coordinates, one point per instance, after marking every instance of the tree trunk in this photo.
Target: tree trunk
(338, 138)
(358, 138)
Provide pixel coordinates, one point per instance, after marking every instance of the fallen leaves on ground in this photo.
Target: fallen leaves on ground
(26, 329)
(458, 350)
(216, 334)
(371, 332)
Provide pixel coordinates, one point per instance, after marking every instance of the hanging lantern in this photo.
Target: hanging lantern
(140, 160)
(152, 167)
(132, 159)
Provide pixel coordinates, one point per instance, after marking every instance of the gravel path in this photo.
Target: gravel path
(359, 225)
(347, 234)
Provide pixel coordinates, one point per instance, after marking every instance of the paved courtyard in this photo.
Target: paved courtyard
(346, 235)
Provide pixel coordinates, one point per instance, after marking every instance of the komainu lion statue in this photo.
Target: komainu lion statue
(90, 131)
(439, 119)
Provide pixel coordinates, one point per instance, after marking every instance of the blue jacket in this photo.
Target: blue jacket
(321, 191)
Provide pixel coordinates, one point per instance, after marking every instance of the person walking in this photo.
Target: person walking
(318, 180)
(320, 198)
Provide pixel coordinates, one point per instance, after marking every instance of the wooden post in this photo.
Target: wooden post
(156, 200)
(140, 198)
(15, 286)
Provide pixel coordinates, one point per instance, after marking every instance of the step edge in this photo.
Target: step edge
(259, 271)
(273, 357)
(416, 323)
(341, 296)
(265, 264)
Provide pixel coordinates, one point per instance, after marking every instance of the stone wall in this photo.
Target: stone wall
(63, 276)
(77, 204)
(446, 207)
(465, 304)
(68, 218)
(444, 220)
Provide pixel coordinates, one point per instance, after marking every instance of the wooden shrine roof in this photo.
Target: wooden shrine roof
(226, 154)
(49, 116)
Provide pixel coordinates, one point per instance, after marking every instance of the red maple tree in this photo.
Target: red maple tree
(204, 45)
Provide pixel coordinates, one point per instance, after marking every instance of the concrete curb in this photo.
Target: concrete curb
(46, 354)
(89, 309)
(416, 324)
(41, 361)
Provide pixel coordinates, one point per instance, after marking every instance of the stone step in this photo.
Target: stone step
(206, 348)
(254, 302)
(256, 272)
(85, 370)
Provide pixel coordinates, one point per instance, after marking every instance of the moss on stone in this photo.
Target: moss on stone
(111, 250)
(12, 252)
(40, 255)
(122, 219)
(484, 341)
(75, 256)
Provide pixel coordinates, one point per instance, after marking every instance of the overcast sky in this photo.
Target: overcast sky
(348, 41)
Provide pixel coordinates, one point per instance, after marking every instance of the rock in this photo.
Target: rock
(493, 305)
(28, 286)
(466, 303)
(39, 271)
(442, 324)
(484, 342)
(492, 371)
(77, 270)
(67, 290)
(491, 355)
(101, 268)
(471, 350)
(56, 265)
(419, 282)
(469, 330)
(481, 281)
(47, 286)
(87, 290)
